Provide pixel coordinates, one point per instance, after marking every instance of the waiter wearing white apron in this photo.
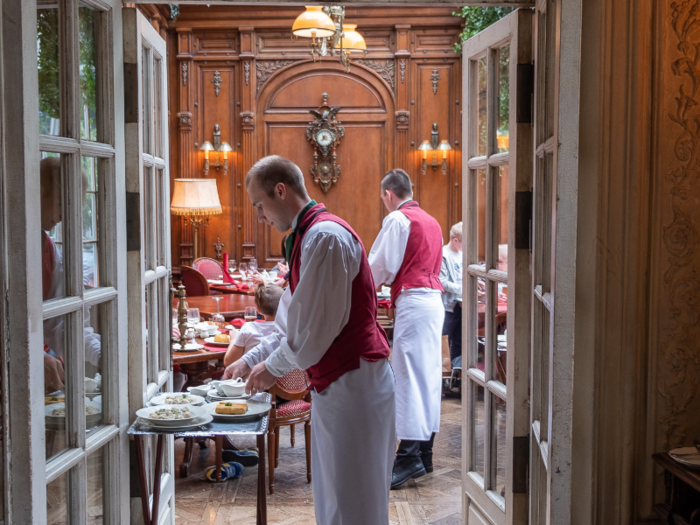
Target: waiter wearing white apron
(331, 332)
(407, 255)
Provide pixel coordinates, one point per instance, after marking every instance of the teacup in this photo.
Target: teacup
(91, 385)
(230, 387)
(211, 331)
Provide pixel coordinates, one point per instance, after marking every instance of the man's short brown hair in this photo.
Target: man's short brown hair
(273, 169)
(399, 183)
(267, 298)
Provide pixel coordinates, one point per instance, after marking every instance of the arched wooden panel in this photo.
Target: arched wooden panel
(365, 154)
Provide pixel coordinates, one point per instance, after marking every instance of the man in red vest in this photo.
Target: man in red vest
(333, 334)
(407, 255)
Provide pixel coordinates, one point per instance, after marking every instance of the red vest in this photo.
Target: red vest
(423, 257)
(361, 337)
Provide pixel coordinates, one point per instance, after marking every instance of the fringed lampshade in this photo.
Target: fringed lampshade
(195, 197)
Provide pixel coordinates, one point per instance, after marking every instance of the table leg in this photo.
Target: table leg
(219, 440)
(138, 441)
(156, 479)
(262, 496)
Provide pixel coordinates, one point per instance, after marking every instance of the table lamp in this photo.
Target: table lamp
(195, 199)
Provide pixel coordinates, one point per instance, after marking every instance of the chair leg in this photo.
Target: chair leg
(271, 464)
(187, 458)
(307, 436)
(291, 434)
(277, 447)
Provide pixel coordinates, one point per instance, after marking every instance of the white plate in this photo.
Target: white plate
(145, 413)
(214, 396)
(687, 455)
(59, 421)
(159, 400)
(196, 422)
(255, 408)
(189, 347)
(210, 341)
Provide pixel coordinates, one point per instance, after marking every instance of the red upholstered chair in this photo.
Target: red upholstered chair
(194, 282)
(210, 268)
(296, 410)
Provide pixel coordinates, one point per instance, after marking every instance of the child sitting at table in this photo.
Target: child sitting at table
(267, 299)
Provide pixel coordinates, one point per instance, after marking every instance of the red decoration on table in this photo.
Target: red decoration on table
(243, 287)
(226, 276)
(237, 323)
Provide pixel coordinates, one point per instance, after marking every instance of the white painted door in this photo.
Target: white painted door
(497, 66)
(148, 238)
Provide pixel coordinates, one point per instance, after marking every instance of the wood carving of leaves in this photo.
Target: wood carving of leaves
(681, 357)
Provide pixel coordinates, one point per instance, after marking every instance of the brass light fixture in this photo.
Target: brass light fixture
(328, 34)
(434, 145)
(221, 148)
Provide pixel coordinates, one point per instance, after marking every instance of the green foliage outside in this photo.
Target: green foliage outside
(476, 19)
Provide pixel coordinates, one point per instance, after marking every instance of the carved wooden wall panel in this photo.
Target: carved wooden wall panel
(239, 67)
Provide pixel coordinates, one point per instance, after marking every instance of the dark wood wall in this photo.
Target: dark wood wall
(238, 67)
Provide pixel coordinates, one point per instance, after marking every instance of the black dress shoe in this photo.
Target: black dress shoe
(405, 469)
(246, 457)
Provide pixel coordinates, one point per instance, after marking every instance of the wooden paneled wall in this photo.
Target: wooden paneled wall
(238, 67)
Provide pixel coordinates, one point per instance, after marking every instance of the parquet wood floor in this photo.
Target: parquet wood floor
(434, 499)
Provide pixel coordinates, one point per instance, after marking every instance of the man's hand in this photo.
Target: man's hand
(236, 369)
(259, 380)
(53, 374)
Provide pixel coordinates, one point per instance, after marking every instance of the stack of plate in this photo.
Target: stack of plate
(200, 417)
(213, 396)
(688, 456)
(189, 347)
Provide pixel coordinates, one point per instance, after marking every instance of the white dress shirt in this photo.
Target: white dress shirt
(320, 306)
(389, 248)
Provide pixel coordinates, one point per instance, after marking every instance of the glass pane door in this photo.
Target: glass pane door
(496, 311)
(147, 176)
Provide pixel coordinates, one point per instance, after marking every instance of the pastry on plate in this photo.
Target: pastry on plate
(51, 400)
(231, 408)
(222, 338)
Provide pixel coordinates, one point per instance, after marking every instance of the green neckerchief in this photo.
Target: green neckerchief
(404, 203)
(292, 236)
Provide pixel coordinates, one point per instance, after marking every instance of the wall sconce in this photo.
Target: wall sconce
(434, 145)
(221, 149)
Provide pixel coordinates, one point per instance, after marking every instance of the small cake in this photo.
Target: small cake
(222, 338)
(51, 400)
(231, 408)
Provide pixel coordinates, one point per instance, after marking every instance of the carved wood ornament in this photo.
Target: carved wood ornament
(384, 68)
(435, 78)
(246, 72)
(265, 69)
(217, 82)
(325, 133)
(185, 66)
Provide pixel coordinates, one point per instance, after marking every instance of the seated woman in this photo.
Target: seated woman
(267, 299)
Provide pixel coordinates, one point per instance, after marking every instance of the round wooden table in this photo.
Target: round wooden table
(232, 305)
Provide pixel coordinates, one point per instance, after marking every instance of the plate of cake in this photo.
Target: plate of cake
(237, 410)
(219, 340)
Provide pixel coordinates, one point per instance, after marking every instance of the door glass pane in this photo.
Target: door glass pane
(478, 361)
(87, 21)
(49, 65)
(95, 487)
(94, 318)
(157, 105)
(481, 216)
(55, 361)
(501, 224)
(501, 332)
(90, 223)
(57, 501)
(479, 434)
(160, 213)
(149, 216)
(51, 187)
(145, 100)
(498, 434)
(481, 105)
(502, 133)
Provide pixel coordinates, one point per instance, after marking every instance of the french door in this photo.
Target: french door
(497, 173)
(148, 241)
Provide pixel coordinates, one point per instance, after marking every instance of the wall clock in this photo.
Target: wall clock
(325, 133)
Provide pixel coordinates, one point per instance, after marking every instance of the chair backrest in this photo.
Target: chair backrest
(291, 386)
(194, 282)
(210, 268)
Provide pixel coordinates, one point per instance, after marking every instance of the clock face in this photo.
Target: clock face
(324, 137)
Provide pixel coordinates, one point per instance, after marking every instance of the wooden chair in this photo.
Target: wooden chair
(194, 282)
(210, 268)
(297, 410)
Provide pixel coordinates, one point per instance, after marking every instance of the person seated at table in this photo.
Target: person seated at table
(282, 279)
(267, 299)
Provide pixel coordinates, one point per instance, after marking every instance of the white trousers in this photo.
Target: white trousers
(417, 363)
(352, 446)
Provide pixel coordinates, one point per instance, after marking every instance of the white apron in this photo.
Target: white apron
(352, 446)
(417, 363)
